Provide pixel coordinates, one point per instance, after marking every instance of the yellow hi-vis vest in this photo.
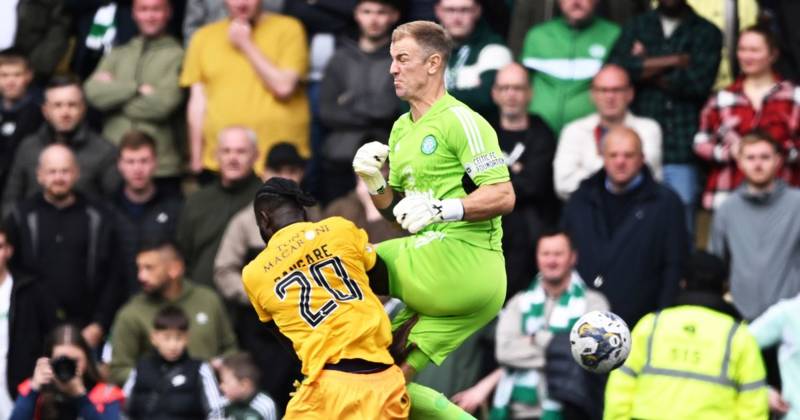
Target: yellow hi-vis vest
(689, 362)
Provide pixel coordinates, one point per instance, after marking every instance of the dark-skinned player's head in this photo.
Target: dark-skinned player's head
(279, 203)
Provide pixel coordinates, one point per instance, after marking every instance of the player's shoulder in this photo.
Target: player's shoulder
(251, 269)
(461, 121)
(337, 223)
(456, 114)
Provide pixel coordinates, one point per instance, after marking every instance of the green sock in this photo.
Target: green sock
(427, 404)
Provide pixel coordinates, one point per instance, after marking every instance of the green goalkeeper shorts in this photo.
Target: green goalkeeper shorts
(454, 288)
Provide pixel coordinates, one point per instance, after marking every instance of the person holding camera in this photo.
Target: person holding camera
(66, 385)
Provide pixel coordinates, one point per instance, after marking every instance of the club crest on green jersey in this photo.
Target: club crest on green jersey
(429, 145)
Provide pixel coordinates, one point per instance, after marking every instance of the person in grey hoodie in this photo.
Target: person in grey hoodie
(757, 230)
(357, 100)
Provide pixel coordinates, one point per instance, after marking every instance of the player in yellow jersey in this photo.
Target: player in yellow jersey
(312, 281)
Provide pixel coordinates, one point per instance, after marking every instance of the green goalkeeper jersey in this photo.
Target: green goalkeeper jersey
(447, 150)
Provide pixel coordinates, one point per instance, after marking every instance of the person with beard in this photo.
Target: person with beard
(477, 55)
(357, 100)
(161, 276)
(757, 229)
(143, 208)
(68, 243)
(64, 110)
(672, 55)
(528, 145)
(246, 70)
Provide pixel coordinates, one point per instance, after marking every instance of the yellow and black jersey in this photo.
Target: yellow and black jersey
(312, 281)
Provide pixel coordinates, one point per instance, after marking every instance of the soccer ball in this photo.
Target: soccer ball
(600, 341)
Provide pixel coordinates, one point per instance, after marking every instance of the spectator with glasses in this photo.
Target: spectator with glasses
(579, 147)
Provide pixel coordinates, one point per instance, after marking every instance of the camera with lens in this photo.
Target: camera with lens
(64, 368)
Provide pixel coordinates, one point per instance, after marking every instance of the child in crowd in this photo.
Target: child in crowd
(239, 378)
(20, 107)
(168, 384)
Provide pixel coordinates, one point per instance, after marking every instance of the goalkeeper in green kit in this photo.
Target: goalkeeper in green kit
(448, 185)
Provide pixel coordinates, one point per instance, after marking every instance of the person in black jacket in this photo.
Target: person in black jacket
(629, 230)
(143, 209)
(28, 316)
(67, 242)
(168, 384)
(529, 146)
(20, 108)
(357, 100)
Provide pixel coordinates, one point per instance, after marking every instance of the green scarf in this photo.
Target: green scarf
(103, 30)
(522, 385)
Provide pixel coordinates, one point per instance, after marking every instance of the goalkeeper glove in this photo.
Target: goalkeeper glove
(367, 164)
(415, 212)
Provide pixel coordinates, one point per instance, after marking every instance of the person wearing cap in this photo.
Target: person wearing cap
(208, 211)
(239, 244)
(312, 281)
(696, 359)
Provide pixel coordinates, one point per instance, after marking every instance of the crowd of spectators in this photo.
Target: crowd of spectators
(134, 134)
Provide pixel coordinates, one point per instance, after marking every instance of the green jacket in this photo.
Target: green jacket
(210, 330)
(141, 61)
(203, 221)
(563, 60)
(43, 31)
(472, 67)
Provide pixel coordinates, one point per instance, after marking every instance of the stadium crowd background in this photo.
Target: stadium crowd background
(125, 122)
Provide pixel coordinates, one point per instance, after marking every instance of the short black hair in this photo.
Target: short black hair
(63, 80)
(157, 243)
(284, 154)
(243, 367)
(550, 232)
(395, 4)
(706, 272)
(171, 318)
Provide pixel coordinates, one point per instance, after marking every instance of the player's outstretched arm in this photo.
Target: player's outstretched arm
(489, 201)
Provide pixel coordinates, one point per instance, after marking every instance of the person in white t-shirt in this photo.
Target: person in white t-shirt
(578, 153)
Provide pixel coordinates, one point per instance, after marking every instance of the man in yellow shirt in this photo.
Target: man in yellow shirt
(311, 280)
(246, 70)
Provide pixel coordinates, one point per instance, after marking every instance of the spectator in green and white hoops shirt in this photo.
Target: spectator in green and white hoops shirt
(563, 55)
(448, 186)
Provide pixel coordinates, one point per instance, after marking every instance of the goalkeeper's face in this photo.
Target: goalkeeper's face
(412, 68)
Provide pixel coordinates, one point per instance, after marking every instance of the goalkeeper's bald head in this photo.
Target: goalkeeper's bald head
(280, 202)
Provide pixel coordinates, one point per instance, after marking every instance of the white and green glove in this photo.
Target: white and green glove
(417, 211)
(368, 162)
